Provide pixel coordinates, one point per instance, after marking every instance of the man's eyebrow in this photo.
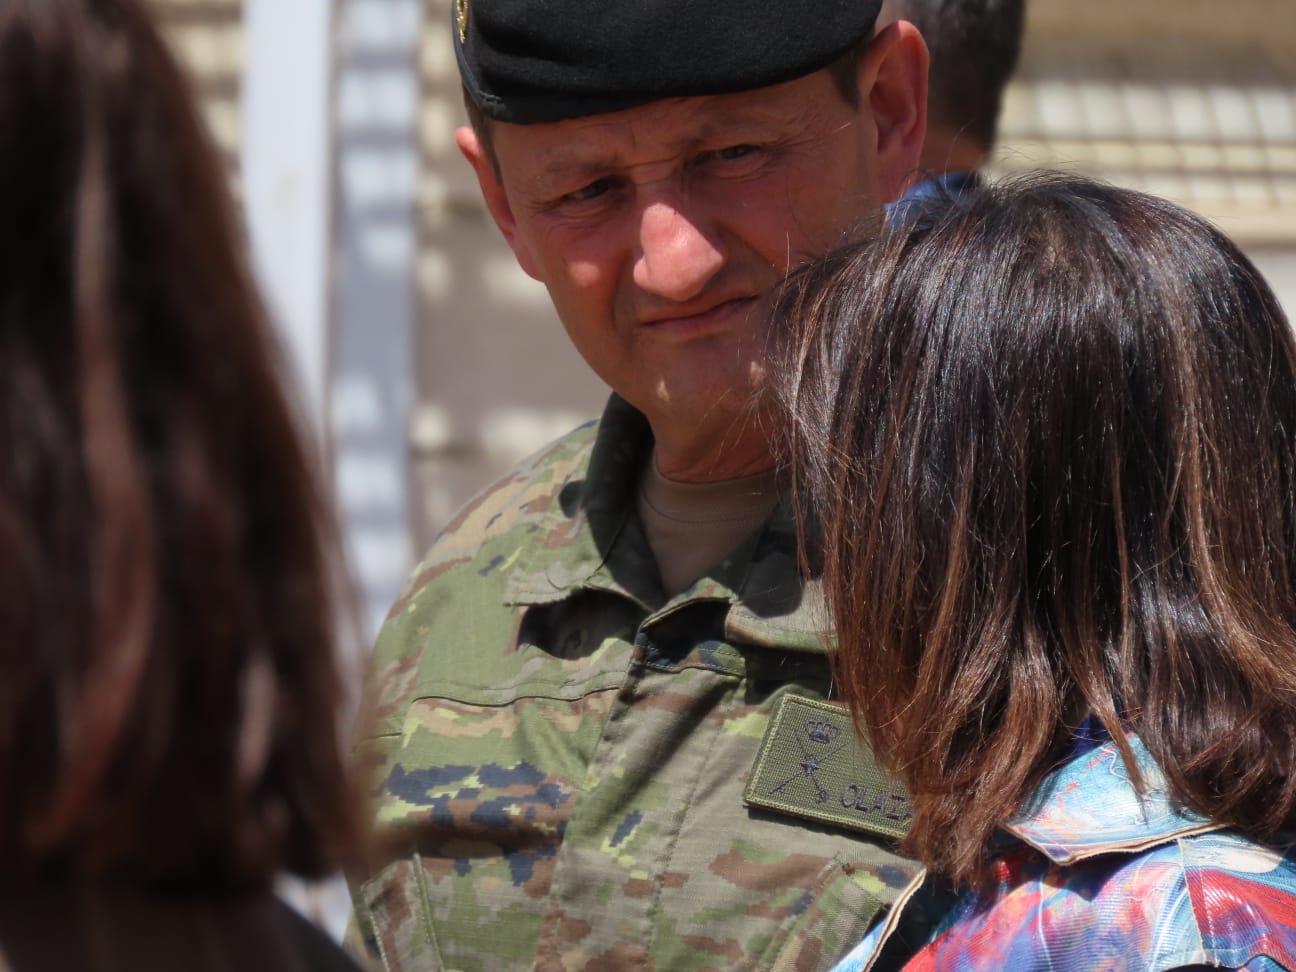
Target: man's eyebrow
(565, 171)
(574, 162)
(570, 165)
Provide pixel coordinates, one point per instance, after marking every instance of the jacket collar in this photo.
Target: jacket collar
(1087, 807)
(1090, 806)
(591, 517)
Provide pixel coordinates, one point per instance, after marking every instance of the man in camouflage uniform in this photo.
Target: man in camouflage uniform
(592, 746)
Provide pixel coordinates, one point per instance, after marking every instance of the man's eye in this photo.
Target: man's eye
(734, 152)
(595, 189)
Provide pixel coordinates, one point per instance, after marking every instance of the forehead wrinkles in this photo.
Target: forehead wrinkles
(655, 135)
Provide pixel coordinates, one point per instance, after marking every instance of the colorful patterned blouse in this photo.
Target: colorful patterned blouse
(1091, 878)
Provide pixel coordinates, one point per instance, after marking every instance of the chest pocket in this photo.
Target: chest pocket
(844, 906)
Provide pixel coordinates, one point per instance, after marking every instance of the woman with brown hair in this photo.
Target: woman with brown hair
(1046, 441)
(168, 693)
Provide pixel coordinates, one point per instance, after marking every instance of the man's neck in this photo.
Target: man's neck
(950, 152)
(742, 449)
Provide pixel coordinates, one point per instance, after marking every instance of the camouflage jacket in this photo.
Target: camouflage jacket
(570, 771)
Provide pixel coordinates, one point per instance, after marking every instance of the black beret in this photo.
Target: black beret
(528, 61)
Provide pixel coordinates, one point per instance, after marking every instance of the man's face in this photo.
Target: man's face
(657, 230)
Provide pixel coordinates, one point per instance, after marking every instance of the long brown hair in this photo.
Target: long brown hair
(168, 693)
(1048, 434)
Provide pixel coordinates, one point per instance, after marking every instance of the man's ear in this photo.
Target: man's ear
(493, 193)
(893, 84)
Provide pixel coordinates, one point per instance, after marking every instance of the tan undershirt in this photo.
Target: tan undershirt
(692, 526)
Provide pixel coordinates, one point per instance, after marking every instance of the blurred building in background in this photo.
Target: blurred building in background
(1191, 100)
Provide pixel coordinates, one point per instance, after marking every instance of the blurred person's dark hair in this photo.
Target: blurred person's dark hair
(168, 691)
(974, 46)
(1047, 432)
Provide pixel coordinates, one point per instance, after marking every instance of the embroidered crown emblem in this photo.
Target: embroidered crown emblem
(821, 731)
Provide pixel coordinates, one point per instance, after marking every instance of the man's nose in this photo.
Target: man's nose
(677, 258)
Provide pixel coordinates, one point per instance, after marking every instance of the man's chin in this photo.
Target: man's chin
(702, 395)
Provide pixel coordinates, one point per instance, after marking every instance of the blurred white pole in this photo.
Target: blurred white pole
(375, 251)
(288, 149)
(287, 156)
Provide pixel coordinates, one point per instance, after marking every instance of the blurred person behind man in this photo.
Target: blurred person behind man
(603, 734)
(974, 47)
(168, 692)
